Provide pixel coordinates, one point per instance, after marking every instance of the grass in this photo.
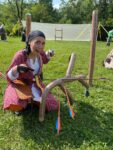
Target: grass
(92, 129)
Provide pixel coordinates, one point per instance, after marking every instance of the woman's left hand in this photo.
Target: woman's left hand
(50, 53)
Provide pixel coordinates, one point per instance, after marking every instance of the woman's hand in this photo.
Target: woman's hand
(50, 53)
(23, 68)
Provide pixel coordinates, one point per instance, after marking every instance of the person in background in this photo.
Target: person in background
(23, 76)
(3, 33)
(23, 36)
(109, 38)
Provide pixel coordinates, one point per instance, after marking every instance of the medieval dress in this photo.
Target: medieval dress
(12, 100)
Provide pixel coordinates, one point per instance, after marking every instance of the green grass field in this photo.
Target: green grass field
(92, 128)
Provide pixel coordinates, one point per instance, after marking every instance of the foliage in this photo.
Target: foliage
(40, 13)
(17, 7)
(109, 22)
(69, 12)
(103, 9)
(92, 129)
(8, 28)
(17, 29)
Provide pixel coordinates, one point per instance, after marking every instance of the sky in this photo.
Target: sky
(56, 3)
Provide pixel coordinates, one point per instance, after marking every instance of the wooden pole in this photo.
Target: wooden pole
(71, 65)
(28, 24)
(93, 45)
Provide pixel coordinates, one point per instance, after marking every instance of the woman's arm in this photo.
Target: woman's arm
(44, 57)
(12, 74)
(12, 70)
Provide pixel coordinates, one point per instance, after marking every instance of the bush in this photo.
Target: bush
(8, 28)
(109, 22)
(17, 29)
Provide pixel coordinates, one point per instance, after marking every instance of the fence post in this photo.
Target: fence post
(28, 24)
(93, 45)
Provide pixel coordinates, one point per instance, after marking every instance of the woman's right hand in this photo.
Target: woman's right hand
(23, 68)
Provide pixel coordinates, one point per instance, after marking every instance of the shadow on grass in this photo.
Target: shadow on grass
(91, 126)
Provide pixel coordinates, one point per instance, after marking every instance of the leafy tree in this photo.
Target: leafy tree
(68, 12)
(78, 11)
(103, 10)
(110, 10)
(85, 9)
(16, 8)
(43, 12)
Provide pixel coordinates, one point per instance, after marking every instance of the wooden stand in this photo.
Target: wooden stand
(60, 82)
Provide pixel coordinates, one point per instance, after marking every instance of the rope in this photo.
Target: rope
(81, 33)
(50, 79)
(102, 79)
(104, 29)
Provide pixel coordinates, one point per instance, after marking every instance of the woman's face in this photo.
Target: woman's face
(37, 45)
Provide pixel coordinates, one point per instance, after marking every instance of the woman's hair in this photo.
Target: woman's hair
(32, 35)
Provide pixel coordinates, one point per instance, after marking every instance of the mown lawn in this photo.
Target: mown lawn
(92, 128)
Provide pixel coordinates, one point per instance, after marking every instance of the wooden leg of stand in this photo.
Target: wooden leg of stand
(69, 94)
(42, 107)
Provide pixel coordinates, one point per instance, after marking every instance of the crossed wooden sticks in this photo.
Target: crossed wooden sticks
(60, 82)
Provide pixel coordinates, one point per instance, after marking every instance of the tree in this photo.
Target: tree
(40, 13)
(85, 9)
(16, 7)
(77, 11)
(68, 12)
(103, 10)
(43, 11)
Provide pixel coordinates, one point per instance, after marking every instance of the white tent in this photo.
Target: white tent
(68, 32)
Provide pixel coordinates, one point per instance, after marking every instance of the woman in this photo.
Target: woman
(23, 75)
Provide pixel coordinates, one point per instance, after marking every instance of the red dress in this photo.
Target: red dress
(11, 99)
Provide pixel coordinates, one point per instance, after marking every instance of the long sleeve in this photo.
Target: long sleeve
(19, 58)
(11, 76)
(44, 57)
